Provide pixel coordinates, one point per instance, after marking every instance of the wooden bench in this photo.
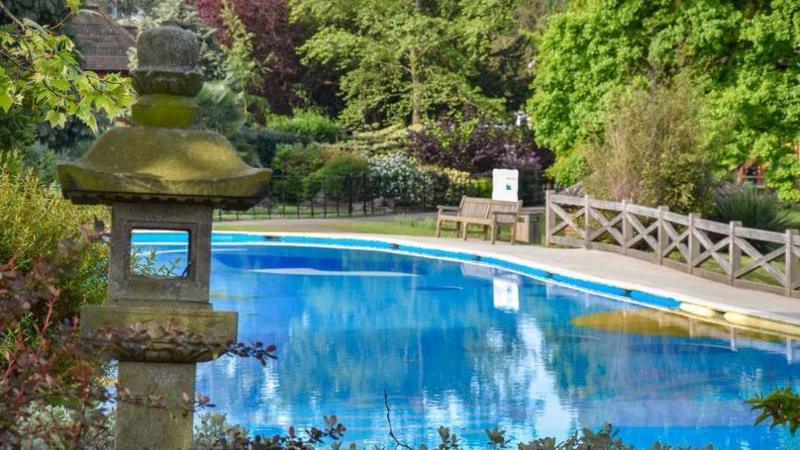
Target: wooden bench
(480, 211)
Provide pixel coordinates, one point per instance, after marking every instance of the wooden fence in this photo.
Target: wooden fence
(726, 252)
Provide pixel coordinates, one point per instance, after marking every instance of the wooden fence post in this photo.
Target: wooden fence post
(792, 274)
(693, 247)
(587, 218)
(734, 252)
(549, 217)
(627, 229)
(663, 237)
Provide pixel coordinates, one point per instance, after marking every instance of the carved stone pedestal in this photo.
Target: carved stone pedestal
(141, 427)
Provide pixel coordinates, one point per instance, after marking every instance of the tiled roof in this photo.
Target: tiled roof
(103, 42)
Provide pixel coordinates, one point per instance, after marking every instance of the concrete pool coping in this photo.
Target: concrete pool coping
(608, 274)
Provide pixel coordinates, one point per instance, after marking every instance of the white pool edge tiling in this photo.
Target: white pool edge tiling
(648, 296)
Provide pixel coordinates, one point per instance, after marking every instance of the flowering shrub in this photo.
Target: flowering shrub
(403, 179)
(397, 176)
(447, 186)
(477, 146)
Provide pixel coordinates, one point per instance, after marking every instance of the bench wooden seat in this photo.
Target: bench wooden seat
(480, 211)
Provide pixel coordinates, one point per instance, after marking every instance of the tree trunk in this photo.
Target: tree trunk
(416, 88)
(416, 84)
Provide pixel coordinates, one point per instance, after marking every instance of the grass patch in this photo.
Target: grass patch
(407, 227)
(758, 275)
(398, 227)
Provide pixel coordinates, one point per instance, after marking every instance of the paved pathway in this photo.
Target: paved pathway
(632, 273)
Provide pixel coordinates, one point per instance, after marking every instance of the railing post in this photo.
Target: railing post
(349, 183)
(627, 229)
(693, 247)
(663, 237)
(587, 217)
(549, 217)
(792, 274)
(363, 194)
(734, 252)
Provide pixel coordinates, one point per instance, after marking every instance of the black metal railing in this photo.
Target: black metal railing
(366, 195)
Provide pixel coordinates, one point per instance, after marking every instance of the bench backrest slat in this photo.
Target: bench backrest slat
(477, 208)
(484, 208)
(508, 207)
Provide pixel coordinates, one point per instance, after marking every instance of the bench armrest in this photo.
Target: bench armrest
(532, 210)
(509, 216)
(443, 208)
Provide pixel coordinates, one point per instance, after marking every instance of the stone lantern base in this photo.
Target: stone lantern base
(161, 371)
(144, 427)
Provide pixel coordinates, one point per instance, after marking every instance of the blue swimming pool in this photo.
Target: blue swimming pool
(471, 346)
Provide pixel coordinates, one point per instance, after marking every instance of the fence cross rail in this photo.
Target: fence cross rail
(727, 252)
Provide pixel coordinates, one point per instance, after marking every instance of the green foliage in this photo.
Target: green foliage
(241, 69)
(403, 61)
(307, 123)
(147, 264)
(47, 419)
(447, 185)
(34, 220)
(214, 432)
(259, 145)
(220, 109)
(604, 439)
(340, 177)
(297, 160)
(754, 208)
(743, 54)
(41, 80)
(385, 141)
(782, 406)
(45, 12)
(653, 151)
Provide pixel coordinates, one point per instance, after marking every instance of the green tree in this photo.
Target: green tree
(507, 70)
(44, 12)
(405, 60)
(241, 69)
(743, 53)
(653, 150)
(41, 80)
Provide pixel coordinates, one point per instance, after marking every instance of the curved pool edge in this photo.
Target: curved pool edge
(647, 296)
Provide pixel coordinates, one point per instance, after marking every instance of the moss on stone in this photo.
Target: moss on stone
(152, 162)
(169, 111)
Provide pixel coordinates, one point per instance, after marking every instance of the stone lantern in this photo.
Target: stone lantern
(162, 173)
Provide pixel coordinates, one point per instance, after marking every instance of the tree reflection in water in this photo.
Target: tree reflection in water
(435, 336)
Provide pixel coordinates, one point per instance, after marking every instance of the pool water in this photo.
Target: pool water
(472, 347)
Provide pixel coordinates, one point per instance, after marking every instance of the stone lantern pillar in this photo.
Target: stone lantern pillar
(161, 173)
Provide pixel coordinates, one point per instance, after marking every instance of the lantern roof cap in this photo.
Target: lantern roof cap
(164, 156)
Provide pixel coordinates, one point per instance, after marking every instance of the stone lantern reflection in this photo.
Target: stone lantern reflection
(162, 173)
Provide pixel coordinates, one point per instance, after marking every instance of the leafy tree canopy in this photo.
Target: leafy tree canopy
(41, 80)
(272, 44)
(405, 60)
(744, 53)
(43, 12)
